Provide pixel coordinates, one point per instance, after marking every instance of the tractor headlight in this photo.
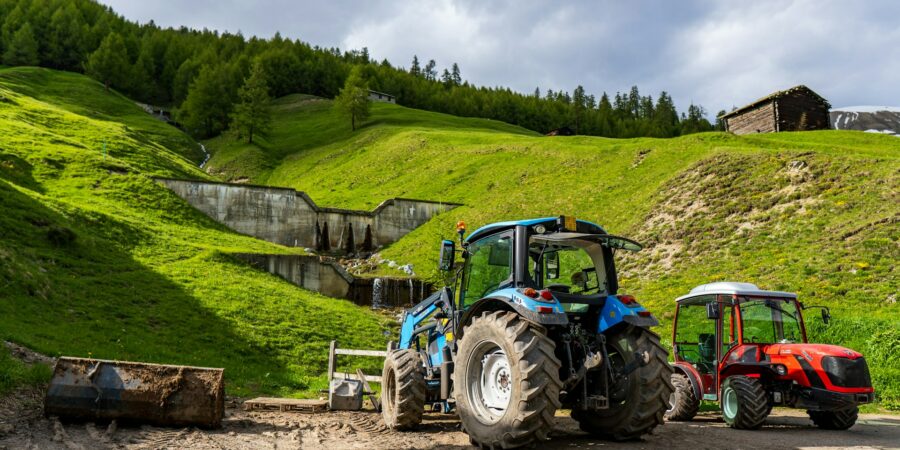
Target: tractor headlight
(781, 369)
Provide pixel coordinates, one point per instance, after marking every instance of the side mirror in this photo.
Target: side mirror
(826, 316)
(552, 263)
(448, 252)
(712, 310)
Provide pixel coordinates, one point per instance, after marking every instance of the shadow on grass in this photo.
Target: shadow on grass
(85, 296)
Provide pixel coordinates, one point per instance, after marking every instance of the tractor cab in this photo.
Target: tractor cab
(719, 324)
(747, 348)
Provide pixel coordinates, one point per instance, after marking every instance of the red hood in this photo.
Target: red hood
(811, 351)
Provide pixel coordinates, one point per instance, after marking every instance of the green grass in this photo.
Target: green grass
(305, 122)
(816, 213)
(14, 373)
(98, 260)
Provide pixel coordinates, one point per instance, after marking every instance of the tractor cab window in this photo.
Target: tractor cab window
(488, 267)
(573, 267)
(695, 334)
(770, 320)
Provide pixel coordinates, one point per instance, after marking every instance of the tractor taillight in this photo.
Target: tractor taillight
(530, 292)
(626, 299)
(546, 294)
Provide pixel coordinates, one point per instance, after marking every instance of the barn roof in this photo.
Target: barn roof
(777, 95)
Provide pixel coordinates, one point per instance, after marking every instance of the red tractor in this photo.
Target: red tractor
(747, 349)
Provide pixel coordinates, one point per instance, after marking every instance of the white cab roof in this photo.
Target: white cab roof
(733, 288)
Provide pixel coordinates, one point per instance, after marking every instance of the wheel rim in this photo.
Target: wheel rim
(673, 399)
(490, 382)
(729, 403)
(390, 387)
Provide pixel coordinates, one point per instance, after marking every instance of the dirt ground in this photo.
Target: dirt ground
(23, 426)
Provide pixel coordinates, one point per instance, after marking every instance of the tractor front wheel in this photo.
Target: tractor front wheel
(683, 403)
(506, 381)
(834, 420)
(638, 399)
(744, 402)
(402, 390)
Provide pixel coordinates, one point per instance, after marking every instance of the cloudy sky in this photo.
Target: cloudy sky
(718, 54)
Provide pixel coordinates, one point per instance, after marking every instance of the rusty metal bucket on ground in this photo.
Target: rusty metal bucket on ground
(91, 389)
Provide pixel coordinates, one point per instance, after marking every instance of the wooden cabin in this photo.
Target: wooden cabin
(794, 109)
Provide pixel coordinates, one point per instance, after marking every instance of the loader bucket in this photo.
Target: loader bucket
(91, 389)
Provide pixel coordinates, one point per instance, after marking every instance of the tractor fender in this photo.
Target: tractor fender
(500, 303)
(692, 375)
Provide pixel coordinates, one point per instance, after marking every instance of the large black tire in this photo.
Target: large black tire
(744, 402)
(835, 420)
(529, 378)
(639, 400)
(683, 403)
(402, 390)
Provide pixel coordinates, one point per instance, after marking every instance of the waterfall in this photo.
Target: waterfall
(376, 293)
(206, 156)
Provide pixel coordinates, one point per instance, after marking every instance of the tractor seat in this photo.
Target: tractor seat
(707, 349)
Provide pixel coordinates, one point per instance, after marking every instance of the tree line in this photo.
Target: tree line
(204, 75)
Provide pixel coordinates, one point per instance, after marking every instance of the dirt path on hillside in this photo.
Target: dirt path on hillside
(22, 426)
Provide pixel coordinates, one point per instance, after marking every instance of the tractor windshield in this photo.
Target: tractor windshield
(770, 320)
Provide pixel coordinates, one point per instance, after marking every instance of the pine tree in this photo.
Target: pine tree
(251, 115)
(353, 100)
(456, 77)
(720, 122)
(209, 101)
(23, 49)
(431, 70)
(447, 78)
(415, 70)
(578, 108)
(66, 45)
(109, 63)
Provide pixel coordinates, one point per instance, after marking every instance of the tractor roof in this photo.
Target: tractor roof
(733, 288)
(584, 226)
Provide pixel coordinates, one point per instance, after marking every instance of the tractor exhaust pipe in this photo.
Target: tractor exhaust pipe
(91, 389)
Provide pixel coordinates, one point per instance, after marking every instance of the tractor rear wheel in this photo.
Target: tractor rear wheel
(637, 400)
(506, 381)
(834, 420)
(402, 390)
(683, 403)
(744, 402)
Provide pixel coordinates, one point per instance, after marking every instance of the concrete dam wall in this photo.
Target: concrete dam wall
(291, 218)
(329, 278)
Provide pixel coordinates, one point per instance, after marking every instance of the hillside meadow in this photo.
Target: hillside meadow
(98, 260)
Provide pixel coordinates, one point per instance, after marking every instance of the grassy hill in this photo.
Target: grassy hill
(816, 213)
(98, 260)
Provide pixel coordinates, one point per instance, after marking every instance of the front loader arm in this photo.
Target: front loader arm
(410, 325)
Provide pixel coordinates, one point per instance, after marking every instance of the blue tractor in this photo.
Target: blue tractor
(533, 323)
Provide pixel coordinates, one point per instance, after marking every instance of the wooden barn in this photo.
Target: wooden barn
(794, 109)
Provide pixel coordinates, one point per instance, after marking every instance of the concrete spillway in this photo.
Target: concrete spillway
(291, 218)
